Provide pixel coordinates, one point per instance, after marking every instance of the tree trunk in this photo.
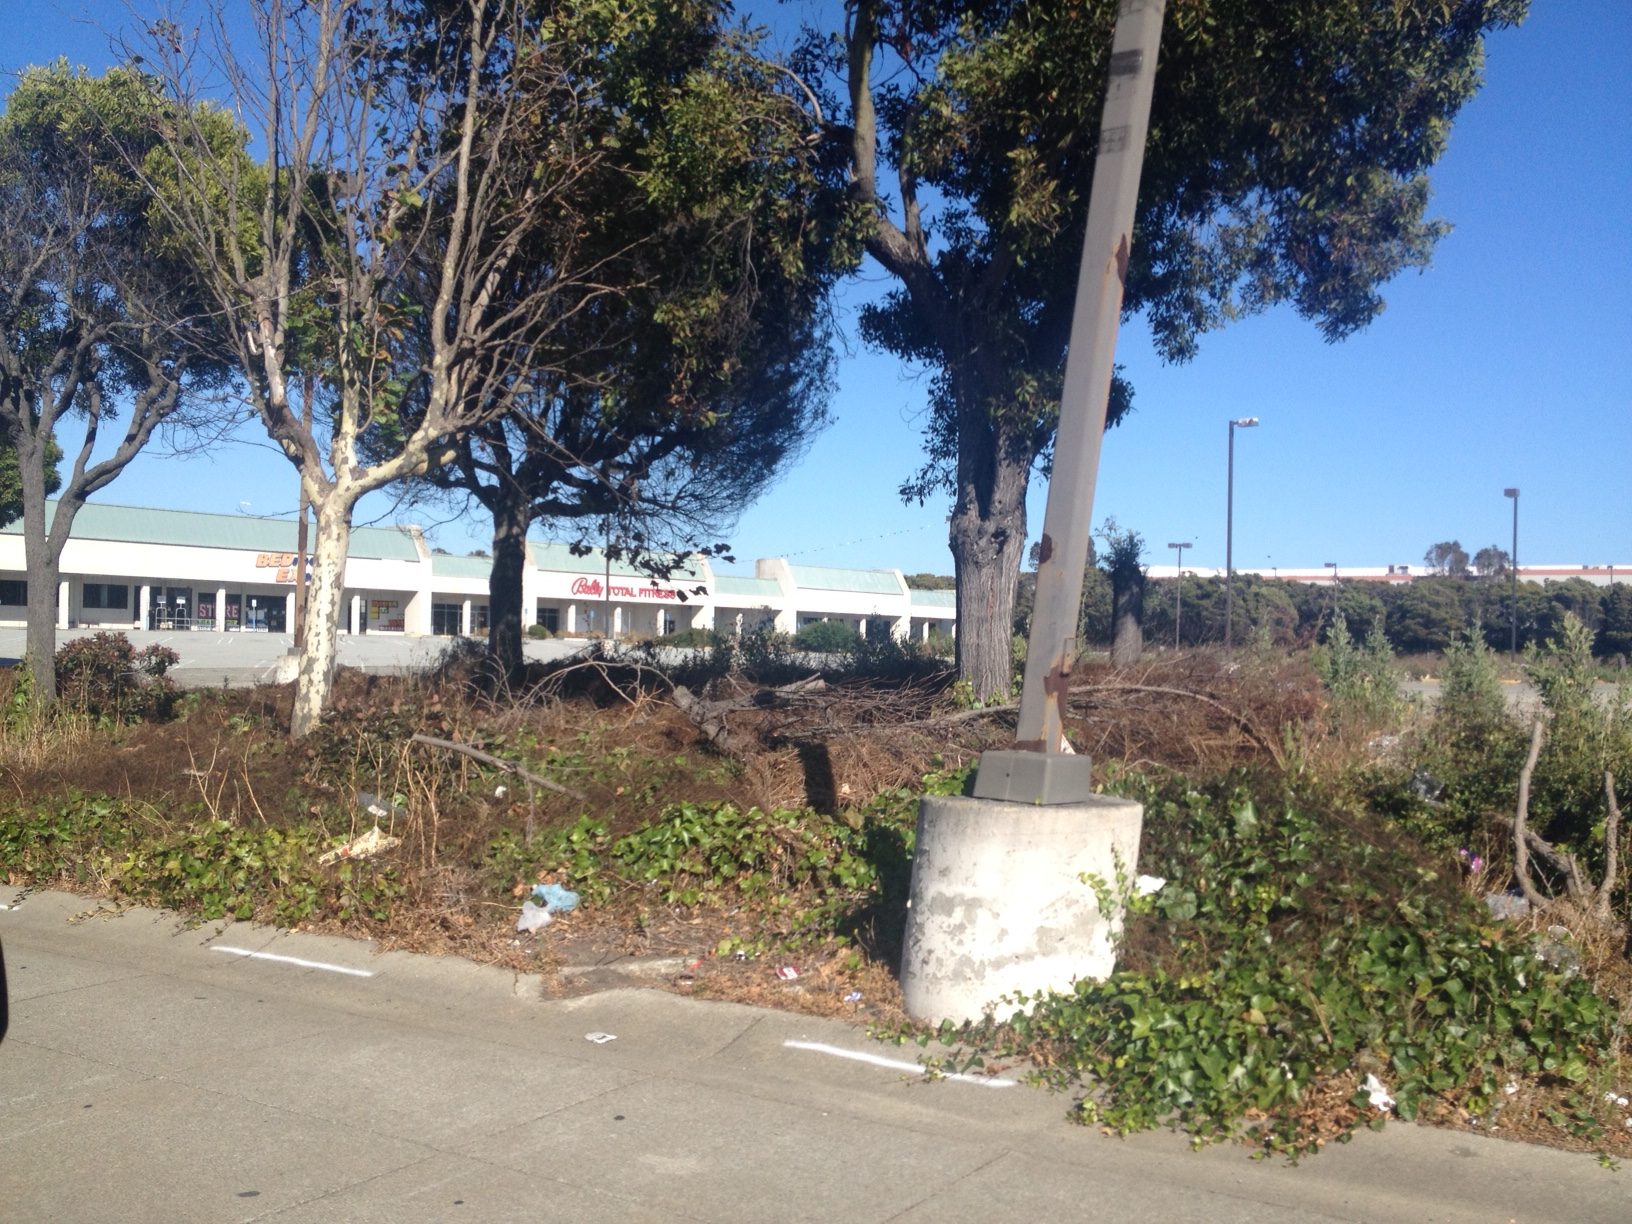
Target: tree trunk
(508, 506)
(302, 589)
(323, 610)
(1128, 616)
(43, 562)
(988, 539)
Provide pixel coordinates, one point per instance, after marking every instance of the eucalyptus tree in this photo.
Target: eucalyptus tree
(1286, 163)
(394, 164)
(96, 316)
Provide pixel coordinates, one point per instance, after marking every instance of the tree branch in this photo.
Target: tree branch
(487, 758)
(1521, 844)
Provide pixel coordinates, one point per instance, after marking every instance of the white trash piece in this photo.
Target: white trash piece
(533, 917)
(600, 1038)
(1378, 1093)
(1149, 885)
(375, 841)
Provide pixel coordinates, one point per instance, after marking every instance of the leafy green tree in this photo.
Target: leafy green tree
(1426, 616)
(700, 368)
(11, 480)
(1491, 562)
(1263, 608)
(1125, 566)
(409, 157)
(97, 316)
(1574, 596)
(1286, 163)
(1615, 635)
(1447, 557)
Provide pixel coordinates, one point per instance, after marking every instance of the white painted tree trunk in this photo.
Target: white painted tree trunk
(325, 601)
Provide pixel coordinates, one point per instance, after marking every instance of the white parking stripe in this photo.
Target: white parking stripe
(895, 1064)
(293, 960)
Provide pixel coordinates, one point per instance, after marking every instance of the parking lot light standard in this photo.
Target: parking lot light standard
(1178, 588)
(1513, 564)
(1229, 528)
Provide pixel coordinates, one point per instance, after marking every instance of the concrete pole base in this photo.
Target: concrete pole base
(999, 906)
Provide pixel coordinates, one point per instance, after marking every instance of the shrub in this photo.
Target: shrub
(1361, 677)
(691, 639)
(827, 637)
(806, 874)
(1585, 737)
(107, 677)
(206, 868)
(1615, 638)
(1294, 948)
(538, 631)
(1466, 763)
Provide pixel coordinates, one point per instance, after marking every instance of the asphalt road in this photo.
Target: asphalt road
(166, 1075)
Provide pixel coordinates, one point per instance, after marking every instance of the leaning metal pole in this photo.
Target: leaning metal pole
(998, 911)
(1052, 647)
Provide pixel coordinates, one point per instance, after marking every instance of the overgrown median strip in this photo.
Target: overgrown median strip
(1317, 943)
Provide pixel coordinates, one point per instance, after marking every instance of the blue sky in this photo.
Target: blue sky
(1507, 362)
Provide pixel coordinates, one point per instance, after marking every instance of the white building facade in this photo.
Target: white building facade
(130, 567)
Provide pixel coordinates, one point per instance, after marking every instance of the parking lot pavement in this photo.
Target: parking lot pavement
(241, 660)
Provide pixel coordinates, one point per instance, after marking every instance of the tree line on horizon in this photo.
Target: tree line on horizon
(573, 259)
(1422, 616)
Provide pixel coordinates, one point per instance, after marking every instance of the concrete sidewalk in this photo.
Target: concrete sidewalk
(233, 1072)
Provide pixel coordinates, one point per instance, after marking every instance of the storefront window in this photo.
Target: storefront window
(385, 616)
(113, 596)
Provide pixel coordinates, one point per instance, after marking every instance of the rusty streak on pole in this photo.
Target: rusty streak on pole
(1051, 649)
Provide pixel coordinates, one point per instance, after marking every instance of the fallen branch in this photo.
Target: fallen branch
(1521, 842)
(710, 716)
(487, 758)
(1240, 720)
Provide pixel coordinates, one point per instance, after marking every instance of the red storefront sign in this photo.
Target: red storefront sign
(593, 587)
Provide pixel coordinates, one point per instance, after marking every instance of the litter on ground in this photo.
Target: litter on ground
(367, 845)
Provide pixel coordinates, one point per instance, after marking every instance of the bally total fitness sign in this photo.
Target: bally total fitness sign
(591, 588)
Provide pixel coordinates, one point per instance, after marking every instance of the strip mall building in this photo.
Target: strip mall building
(131, 567)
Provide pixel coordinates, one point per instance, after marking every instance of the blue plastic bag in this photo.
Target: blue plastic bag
(554, 898)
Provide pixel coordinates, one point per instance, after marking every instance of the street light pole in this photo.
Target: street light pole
(1513, 585)
(1229, 529)
(1178, 589)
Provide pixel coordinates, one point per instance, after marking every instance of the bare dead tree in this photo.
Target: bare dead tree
(400, 170)
(1590, 901)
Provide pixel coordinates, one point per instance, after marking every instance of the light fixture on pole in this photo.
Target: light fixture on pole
(1229, 528)
(1332, 565)
(1178, 588)
(1513, 565)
